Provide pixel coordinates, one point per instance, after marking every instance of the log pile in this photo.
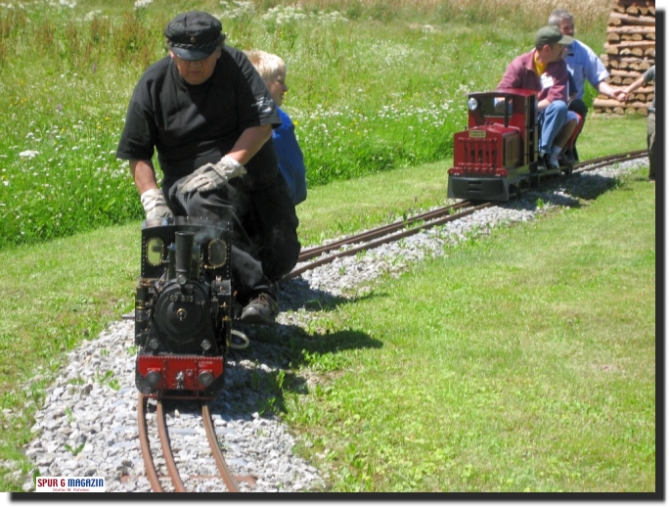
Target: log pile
(629, 51)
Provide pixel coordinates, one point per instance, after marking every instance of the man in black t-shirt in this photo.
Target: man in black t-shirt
(209, 115)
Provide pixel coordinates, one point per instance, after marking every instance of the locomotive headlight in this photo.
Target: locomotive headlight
(154, 378)
(473, 104)
(206, 378)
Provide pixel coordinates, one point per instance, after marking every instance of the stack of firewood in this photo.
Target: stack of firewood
(630, 50)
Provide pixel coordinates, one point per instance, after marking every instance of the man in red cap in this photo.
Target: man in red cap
(209, 115)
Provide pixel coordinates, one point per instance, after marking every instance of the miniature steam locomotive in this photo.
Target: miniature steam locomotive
(184, 307)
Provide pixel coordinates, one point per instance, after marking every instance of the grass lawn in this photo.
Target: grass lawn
(523, 362)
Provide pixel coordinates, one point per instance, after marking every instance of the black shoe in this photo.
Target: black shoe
(565, 161)
(543, 163)
(260, 310)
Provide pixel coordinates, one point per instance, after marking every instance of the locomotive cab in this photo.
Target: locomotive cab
(495, 155)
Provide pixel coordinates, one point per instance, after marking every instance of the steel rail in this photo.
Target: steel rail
(164, 438)
(364, 241)
(310, 253)
(163, 434)
(149, 466)
(231, 484)
(445, 216)
(590, 165)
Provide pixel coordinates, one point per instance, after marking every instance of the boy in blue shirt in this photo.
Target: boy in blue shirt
(291, 161)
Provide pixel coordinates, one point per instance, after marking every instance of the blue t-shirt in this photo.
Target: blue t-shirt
(289, 155)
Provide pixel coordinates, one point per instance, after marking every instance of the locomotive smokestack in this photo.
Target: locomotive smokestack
(184, 243)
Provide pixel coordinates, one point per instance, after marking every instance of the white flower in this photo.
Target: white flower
(29, 153)
(92, 15)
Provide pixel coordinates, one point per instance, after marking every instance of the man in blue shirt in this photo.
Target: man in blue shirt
(584, 65)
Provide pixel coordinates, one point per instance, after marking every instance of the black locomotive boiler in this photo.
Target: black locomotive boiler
(184, 308)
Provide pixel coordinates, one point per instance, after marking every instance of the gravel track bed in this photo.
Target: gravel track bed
(88, 425)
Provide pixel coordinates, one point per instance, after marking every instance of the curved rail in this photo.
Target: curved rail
(415, 224)
(164, 438)
(310, 253)
(366, 240)
(216, 451)
(386, 235)
(149, 466)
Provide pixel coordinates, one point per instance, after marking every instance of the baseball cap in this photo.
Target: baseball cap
(551, 35)
(194, 35)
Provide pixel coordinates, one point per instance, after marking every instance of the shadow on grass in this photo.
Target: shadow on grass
(296, 294)
(588, 186)
(569, 192)
(259, 378)
(266, 370)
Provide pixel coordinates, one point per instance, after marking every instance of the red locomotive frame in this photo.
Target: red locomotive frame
(190, 373)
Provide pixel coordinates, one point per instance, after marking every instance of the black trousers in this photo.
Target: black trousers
(651, 143)
(264, 223)
(273, 224)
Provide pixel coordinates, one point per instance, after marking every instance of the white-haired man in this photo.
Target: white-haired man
(584, 66)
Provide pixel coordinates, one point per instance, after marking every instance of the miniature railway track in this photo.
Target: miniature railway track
(401, 229)
(164, 438)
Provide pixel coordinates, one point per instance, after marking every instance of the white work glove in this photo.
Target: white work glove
(212, 176)
(154, 204)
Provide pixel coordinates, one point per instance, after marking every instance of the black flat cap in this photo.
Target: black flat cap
(194, 35)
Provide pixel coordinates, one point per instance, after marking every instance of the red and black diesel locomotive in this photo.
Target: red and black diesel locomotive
(496, 157)
(184, 308)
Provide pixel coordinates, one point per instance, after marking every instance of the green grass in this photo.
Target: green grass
(523, 362)
(374, 86)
